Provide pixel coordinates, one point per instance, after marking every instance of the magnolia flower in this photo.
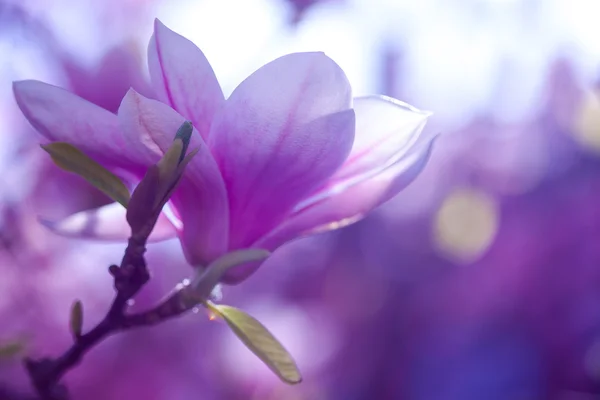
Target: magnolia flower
(288, 154)
(106, 84)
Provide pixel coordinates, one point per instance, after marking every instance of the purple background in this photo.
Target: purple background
(480, 281)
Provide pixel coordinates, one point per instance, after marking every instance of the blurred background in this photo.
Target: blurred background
(480, 281)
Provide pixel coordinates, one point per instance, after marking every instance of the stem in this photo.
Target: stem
(143, 210)
(129, 278)
(46, 373)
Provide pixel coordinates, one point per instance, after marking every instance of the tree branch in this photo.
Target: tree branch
(129, 278)
(143, 210)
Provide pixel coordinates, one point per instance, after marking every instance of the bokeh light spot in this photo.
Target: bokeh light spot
(587, 123)
(336, 224)
(465, 224)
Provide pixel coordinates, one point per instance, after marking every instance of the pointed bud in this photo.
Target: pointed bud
(178, 175)
(155, 189)
(173, 163)
(169, 162)
(76, 320)
(176, 153)
(184, 133)
(141, 208)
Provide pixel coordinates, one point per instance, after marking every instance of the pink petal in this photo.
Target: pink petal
(281, 134)
(106, 223)
(200, 199)
(348, 204)
(385, 130)
(62, 116)
(183, 78)
(119, 69)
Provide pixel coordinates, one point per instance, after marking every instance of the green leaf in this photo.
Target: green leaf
(70, 158)
(76, 320)
(11, 349)
(260, 341)
(204, 284)
(184, 133)
(178, 174)
(167, 165)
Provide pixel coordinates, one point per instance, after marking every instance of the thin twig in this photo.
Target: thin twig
(129, 278)
(143, 211)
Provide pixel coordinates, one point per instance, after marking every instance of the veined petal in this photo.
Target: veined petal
(347, 204)
(106, 223)
(119, 69)
(342, 204)
(183, 78)
(200, 199)
(60, 115)
(386, 128)
(281, 134)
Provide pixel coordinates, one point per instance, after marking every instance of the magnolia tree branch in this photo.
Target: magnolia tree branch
(143, 210)
(129, 278)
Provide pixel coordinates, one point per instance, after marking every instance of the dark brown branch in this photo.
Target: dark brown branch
(143, 211)
(128, 280)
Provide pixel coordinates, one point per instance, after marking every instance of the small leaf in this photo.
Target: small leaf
(76, 321)
(204, 284)
(184, 133)
(178, 174)
(174, 161)
(11, 349)
(70, 158)
(260, 341)
(186, 160)
(170, 160)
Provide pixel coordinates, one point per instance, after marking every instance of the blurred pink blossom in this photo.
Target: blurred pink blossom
(288, 154)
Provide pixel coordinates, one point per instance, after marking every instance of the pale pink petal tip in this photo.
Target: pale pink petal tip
(183, 78)
(351, 200)
(106, 223)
